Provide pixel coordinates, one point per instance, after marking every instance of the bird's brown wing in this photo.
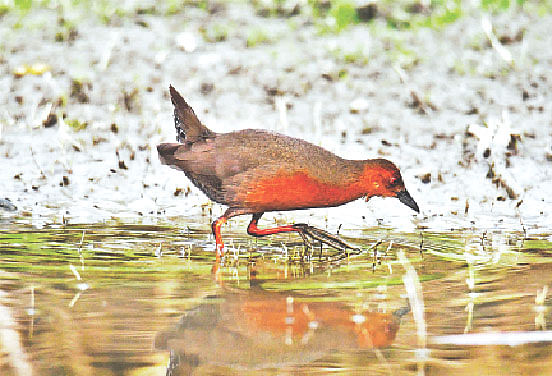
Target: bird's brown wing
(227, 165)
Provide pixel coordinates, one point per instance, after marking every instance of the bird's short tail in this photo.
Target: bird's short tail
(188, 127)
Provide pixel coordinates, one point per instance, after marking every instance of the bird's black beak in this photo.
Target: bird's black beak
(406, 199)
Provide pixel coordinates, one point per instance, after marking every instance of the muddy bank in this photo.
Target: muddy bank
(462, 110)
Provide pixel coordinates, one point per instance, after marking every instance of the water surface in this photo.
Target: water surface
(123, 299)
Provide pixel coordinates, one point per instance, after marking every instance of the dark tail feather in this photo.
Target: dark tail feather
(166, 152)
(188, 127)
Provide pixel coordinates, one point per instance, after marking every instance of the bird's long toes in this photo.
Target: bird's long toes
(306, 240)
(325, 237)
(330, 239)
(301, 226)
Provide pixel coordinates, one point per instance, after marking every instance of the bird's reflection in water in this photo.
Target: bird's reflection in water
(256, 329)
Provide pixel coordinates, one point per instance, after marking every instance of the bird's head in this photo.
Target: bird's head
(382, 178)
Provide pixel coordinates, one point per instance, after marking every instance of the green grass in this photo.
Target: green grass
(257, 36)
(216, 32)
(332, 16)
(76, 124)
(344, 14)
(403, 14)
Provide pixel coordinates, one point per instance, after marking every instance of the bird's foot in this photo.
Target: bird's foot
(219, 260)
(219, 250)
(309, 232)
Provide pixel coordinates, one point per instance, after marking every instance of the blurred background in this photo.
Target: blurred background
(456, 93)
(102, 248)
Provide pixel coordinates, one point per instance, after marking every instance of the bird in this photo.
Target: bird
(254, 171)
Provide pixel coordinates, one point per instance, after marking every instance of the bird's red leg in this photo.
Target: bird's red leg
(303, 229)
(253, 230)
(215, 227)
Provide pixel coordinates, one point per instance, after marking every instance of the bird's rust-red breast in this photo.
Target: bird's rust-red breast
(288, 190)
(296, 189)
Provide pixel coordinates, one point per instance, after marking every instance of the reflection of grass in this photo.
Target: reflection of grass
(358, 283)
(125, 252)
(48, 253)
(538, 247)
(70, 324)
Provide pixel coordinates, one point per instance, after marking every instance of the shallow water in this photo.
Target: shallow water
(135, 299)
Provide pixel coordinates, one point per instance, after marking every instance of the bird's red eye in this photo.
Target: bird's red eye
(392, 181)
